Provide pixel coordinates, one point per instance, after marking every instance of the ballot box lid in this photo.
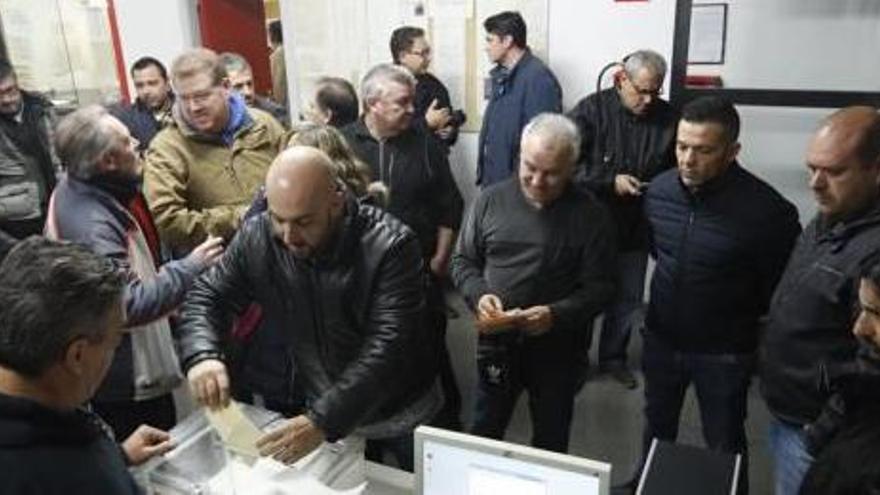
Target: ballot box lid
(688, 470)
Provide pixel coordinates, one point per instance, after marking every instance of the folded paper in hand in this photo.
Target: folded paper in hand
(238, 433)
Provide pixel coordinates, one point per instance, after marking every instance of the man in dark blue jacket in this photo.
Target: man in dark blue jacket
(522, 87)
(151, 109)
(721, 238)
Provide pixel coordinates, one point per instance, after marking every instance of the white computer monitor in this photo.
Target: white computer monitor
(450, 463)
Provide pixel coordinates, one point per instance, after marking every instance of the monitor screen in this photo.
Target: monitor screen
(453, 463)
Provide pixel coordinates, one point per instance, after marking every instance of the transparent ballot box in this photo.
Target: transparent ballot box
(201, 463)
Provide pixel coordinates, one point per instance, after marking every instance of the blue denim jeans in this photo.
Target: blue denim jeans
(626, 313)
(721, 382)
(790, 458)
(544, 367)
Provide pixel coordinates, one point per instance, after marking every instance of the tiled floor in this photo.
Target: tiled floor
(608, 418)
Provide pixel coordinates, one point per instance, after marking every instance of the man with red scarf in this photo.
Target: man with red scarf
(99, 204)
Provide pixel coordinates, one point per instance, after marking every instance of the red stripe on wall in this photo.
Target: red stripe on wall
(121, 74)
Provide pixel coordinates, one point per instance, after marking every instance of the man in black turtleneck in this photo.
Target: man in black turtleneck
(99, 204)
(27, 162)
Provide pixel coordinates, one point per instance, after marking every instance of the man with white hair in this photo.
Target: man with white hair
(628, 133)
(99, 204)
(536, 256)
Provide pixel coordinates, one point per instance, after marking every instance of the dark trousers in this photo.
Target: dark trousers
(721, 382)
(626, 313)
(401, 448)
(449, 416)
(125, 416)
(542, 366)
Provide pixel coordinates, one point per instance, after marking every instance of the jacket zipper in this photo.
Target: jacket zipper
(683, 255)
(318, 317)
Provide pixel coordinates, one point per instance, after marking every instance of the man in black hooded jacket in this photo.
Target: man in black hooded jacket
(811, 312)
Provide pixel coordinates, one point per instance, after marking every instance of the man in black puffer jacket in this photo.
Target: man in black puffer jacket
(721, 238)
(347, 283)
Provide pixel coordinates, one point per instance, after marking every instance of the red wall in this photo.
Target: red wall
(238, 26)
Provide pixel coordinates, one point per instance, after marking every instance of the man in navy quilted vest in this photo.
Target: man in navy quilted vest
(721, 238)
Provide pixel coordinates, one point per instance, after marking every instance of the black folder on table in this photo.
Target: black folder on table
(686, 470)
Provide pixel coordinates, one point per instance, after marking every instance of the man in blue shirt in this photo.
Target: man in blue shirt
(522, 87)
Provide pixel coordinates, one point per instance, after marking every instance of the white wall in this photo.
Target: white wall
(158, 28)
(586, 35)
(583, 37)
(774, 142)
(799, 44)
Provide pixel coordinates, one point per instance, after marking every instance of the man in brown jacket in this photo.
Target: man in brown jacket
(203, 170)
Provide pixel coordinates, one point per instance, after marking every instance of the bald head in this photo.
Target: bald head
(844, 162)
(301, 169)
(856, 130)
(304, 199)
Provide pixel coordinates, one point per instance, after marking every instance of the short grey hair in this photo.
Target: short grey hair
(645, 59)
(235, 62)
(82, 138)
(375, 81)
(557, 129)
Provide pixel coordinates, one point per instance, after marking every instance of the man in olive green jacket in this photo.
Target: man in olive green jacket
(203, 170)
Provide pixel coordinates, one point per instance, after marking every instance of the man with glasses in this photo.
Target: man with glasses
(204, 168)
(410, 49)
(628, 136)
(27, 161)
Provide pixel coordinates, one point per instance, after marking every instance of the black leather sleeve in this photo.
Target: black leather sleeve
(393, 335)
(221, 292)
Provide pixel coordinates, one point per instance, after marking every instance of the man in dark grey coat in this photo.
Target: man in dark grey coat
(807, 332)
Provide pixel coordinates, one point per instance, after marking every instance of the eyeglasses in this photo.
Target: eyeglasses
(653, 92)
(421, 53)
(197, 97)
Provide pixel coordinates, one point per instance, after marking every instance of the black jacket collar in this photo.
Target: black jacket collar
(25, 422)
